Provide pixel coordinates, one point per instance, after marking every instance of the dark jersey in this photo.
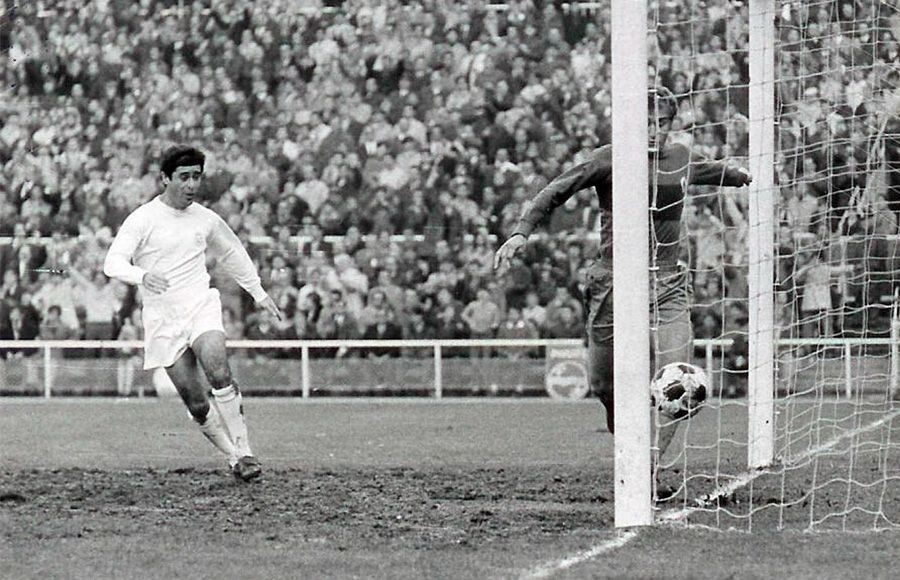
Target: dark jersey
(670, 174)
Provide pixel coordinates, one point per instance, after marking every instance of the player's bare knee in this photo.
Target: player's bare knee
(199, 409)
(219, 377)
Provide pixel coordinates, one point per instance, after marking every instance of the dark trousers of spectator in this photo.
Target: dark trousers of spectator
(98, 331)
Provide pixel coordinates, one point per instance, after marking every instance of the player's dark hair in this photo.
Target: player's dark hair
(662, 102)
(180, 156)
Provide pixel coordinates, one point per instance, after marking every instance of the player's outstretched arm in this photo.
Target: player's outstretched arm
(233, 257)
(705, 172)
(594, 171)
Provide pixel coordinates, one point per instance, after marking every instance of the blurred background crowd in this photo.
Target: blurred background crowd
(373, 154)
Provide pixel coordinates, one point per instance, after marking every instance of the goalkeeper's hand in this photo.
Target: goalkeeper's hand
(505, 253)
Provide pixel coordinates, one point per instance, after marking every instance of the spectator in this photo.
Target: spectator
(52, 327)
(313, 248)
(816, 306)
(447, 277)
(513, 328)
(534, 312)
(547, 283)
(24, 324)
(373, 255)
(483, 318)
(314, 286)
(393, 293)
(100, 302)
(417, 328)
(383, 327)
(261, 327)
(375, 309)
(11, 290)
(445, 317)
(518, 282)
(349, 276)
(300, 328)
(562, 299)
(564, 324)
(311, 190)
(346, 326)
(19, 323)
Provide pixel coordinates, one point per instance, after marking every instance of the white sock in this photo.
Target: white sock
(230, 403)
(215, 431)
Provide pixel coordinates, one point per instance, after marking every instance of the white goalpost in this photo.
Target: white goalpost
(761, 236)
(633, 499)
(633, 488)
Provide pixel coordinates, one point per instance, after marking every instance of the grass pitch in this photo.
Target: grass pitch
(374, 489)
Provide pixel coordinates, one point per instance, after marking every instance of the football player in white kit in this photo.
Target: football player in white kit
(162, 247)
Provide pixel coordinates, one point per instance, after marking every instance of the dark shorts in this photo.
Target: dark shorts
(670, 320)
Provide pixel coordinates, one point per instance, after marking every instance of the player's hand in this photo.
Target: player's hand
(269, 305)
(748, 179)
(505, 253)
(155, 283)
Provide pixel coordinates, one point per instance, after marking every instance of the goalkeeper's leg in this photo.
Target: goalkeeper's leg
(601, 376)
(599, 326)
(674, 340)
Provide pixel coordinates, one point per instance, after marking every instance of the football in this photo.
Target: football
(678, 390)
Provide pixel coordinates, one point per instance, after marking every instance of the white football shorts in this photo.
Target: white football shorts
(171, 327)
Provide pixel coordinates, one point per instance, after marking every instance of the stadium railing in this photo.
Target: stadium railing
(44, 355)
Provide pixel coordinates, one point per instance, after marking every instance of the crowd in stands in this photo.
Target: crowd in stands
(373, 154)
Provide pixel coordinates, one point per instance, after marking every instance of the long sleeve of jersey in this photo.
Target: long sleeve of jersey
(595, 170)
(705, 172)
(118, 262)
(232, 256)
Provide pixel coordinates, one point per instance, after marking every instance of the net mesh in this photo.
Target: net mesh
(837, 122)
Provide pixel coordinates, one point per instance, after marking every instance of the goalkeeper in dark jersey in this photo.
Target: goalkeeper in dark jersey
(672, 168)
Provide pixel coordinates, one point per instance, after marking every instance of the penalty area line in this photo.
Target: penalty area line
(548, 569)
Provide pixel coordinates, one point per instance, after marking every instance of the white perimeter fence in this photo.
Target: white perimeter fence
(46, 357)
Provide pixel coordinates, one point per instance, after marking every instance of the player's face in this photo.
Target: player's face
(183, 187)
(658, 132)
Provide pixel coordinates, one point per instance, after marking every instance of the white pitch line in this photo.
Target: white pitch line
(744, 479)
(550, 568)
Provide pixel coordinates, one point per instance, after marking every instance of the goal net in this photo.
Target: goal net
(836, 192)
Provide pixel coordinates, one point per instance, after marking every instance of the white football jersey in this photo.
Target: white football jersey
(173, 243)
